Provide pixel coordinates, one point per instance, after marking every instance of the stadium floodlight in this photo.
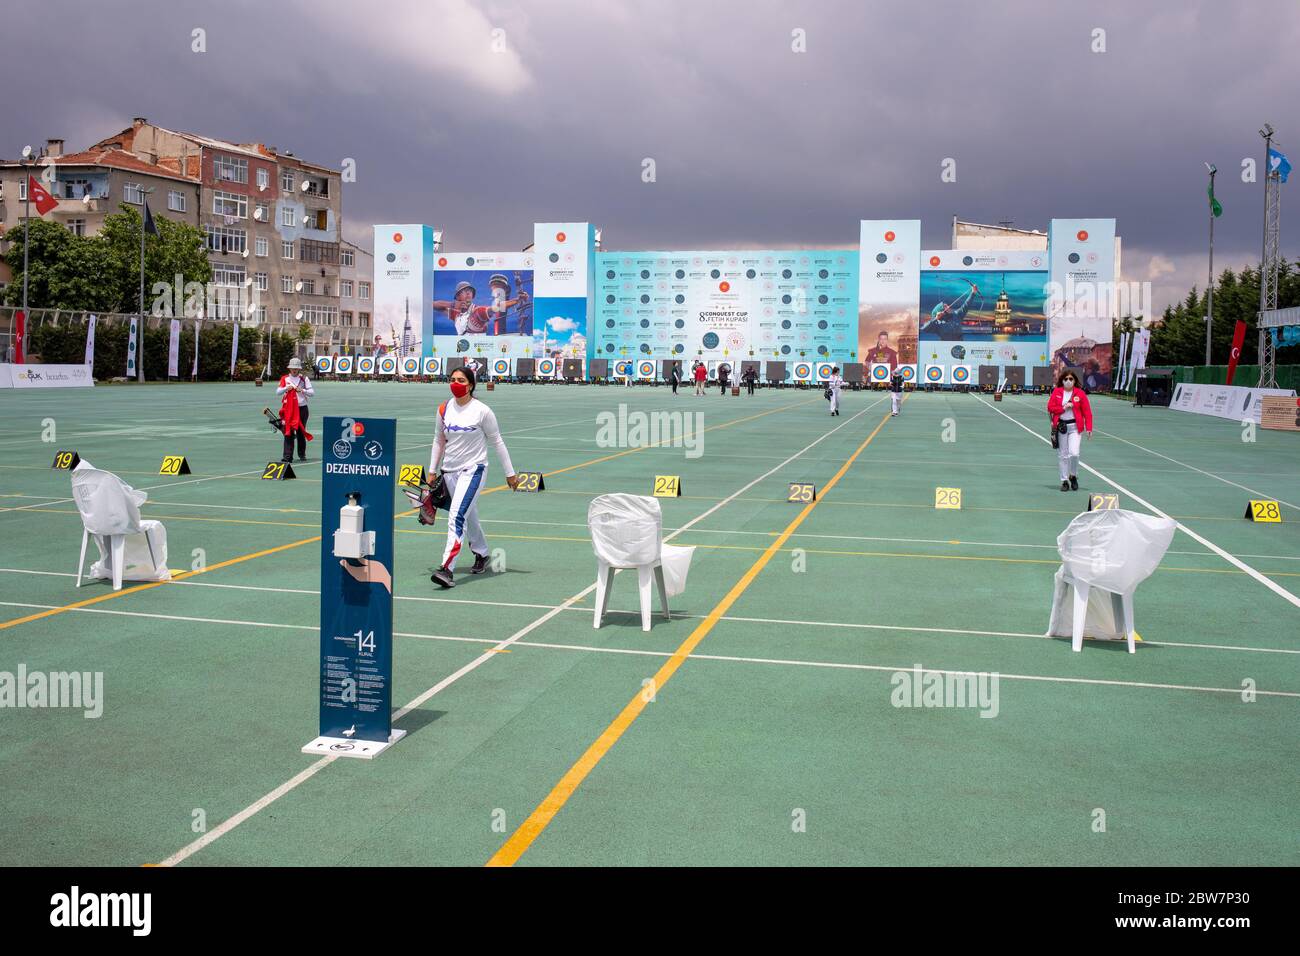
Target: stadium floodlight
(1212, 168)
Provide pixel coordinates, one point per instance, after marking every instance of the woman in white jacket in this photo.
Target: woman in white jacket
(834, 384)
(462, 431)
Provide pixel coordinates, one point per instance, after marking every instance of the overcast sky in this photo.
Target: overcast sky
(755, 145)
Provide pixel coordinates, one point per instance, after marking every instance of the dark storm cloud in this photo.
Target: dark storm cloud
(754, 145)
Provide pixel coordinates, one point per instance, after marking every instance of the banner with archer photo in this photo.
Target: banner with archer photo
(482, 304)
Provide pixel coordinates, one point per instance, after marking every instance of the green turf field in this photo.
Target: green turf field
(773, 740)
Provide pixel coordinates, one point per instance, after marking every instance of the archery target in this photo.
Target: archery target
(546, 367)
(934, 374)
(411, 365)
(324, 363)
(824, 371)
(908, 372)
(501, 367)
(387, 365)
(366, 365)
(802, 371)
(622, 368)
(961, 374)
(432, 366)
(344, 365)
(879, 372)
(645, 369)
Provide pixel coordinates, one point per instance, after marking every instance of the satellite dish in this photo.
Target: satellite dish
(298, 287)
(306, 220)
(248, 281)
(305, 185)
(261, 187)
(252, 307)
(244, 254)
(27, 152)
(298, 315)
(85, 200)
(257, 214)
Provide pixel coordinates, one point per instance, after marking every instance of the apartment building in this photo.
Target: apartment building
(355, 333)
(90, 186)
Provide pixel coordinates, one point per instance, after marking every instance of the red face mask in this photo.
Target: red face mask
(459, 389)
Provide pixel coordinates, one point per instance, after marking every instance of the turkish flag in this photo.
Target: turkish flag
(1238, 339)
(20, 337)
(43, 201)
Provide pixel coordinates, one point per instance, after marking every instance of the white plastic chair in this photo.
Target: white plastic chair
(110, 511)
(626, 533)
(1105, 555)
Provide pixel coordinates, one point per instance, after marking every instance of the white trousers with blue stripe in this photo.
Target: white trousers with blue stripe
(462, 517)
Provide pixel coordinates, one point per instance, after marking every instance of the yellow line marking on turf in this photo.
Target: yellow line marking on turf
(152, 584)
(540, 818)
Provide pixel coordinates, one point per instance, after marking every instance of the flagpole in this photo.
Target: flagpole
(139, 363)
(27, 215)
(1209, 306)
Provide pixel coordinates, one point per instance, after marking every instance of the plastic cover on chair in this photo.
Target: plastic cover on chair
(625, 529)
(108, 505)
(1114, 550)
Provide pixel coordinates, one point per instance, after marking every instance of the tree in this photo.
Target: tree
(177, 250)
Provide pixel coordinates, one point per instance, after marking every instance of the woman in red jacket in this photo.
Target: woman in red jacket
(1071, 415)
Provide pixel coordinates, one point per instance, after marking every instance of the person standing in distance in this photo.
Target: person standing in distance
(701, 375)
(295, 381)
(462, 430)
(1071, 413)
(724, 378)
(675, 376)
(834, 384)
(896, 391)
(749, 376)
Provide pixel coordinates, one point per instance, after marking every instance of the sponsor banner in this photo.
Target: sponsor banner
(90, 342)
(1233, 402)
(564, 254)
(1081, 296)
(402, 320)
(889, 275)
(728, 306)
(482, 301)
(174, 349)
(27, 375)
(983, 307)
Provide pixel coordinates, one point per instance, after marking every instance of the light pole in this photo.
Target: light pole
(25, 164)
(144, 211)
(1209, 305)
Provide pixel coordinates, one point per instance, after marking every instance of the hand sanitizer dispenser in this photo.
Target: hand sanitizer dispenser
(349, 540)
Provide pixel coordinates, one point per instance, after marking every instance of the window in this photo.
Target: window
(133, 193)
(308, 286)
(364, 289)
(231, 205)
(345, 258)
(262, 212)
(77, 227)
(226, 239)
(365, 320)
(345, 288)
(229, 169)
(175, 200)
(322, 219)
(284, 316)
(286, 180)
(286, 250)
(22, 189)
(312, 250)
(259, 315)
(346, 318)
(263, 179)
(226, 274)
(286, 215)
(286, 283)
(263, 246)
(320, 314)
(72, 188)
(259, 282)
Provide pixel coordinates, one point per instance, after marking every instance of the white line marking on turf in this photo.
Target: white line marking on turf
(1231, 559)
(206, 839)
(586, 610)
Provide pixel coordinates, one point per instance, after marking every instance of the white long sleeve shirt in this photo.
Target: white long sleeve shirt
(835, 383)
(297, 381)
(461, 436)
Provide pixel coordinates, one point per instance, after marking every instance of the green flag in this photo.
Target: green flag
(1215, 206)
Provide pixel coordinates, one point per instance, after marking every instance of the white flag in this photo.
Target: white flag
(194, 369)
(1117, 384)
(90, 342)
(234, 346)
(174, 349)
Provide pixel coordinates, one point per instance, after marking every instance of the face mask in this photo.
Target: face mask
(1069, 386)
(459, 389)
